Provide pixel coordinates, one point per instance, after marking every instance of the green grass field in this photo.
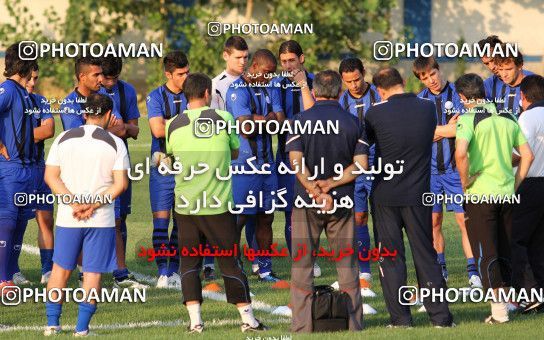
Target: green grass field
(163, 316)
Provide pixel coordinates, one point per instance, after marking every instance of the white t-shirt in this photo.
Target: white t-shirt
(532, 126)
(220, 85)
(87, 156)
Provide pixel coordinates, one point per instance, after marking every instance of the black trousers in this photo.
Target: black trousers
(528, 234)
(489, 229)
(417, 222)
(217, 230)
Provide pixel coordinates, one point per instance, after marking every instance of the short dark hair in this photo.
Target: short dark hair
(350, 65)
(112, 66)
(195, 86)
(492, 40)
(98, 104)
(471, 86)
(263, 55)
(387, 78)
(235, 42)
(423, 65)
(174, 60)
(502, 59)
(290, 46)
(15, 65)
(532, 87)
(84, 61)
(327, 84)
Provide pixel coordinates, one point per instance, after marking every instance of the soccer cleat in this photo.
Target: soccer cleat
(533, 307)
(174, 281)
(444, 272)
(52, 330)
(83, 333)
(259, 328)
(491, 321)
(162, 282)
(196, 329)
(128, 282)
(209, 273)
(475, 282)
(271, 277)
(19, 279)
(317, 270)
(364, 281)
(45, 278)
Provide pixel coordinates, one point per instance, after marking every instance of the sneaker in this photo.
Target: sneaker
(364, 281)
(475, 282)
(19, 279)
(533, 307)
(271, 277)
(174, 281)
(209, 274)
(196, 329)
(491, 321)
(84, 333)
(259, 328)
(52, 330)
(45, 278)
(128, 282)
(444, 272)
(162, 282)
(452, 325)
(317, 270)
(255, 269)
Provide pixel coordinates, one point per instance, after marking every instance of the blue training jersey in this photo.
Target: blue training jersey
(162, 102)
(41, 104)
(448, 103)
(72, 110)
(507, 98)
(16, 131)
(245, 100)
(359, 106)
(291, 103)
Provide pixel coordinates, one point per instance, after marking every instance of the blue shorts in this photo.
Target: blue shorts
(447, 184)
(363, 188)
(123, 202)
(41, 188)
(287, 181)
(242, 184)
(96, 244)
(161, 191)
(16, 183)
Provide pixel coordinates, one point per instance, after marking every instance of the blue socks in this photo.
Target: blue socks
(362, 237)
(123, 228)
(471, 267)
(7, 228)
(173, 264)
(441, 258)
(160, 236)
(86, 312)
(16, 243)
(53, 311)
(46, 257)
(288, 230)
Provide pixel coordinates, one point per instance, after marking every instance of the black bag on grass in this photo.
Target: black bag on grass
(329, 309)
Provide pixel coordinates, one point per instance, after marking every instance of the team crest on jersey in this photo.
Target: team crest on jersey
(233, 96)
(148, 98)
(267, 98)
(448, 105)
(2, 90)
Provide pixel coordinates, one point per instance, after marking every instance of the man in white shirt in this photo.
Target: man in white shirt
(528, 215)
(235, 54)
(87, 166)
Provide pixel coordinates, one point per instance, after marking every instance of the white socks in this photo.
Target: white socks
(194, 314)
(246, 312)
(499, 311)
